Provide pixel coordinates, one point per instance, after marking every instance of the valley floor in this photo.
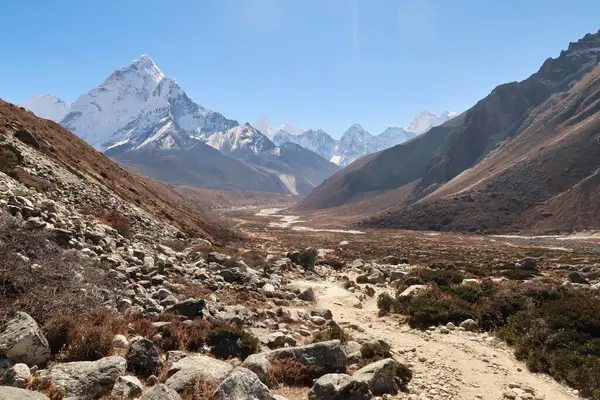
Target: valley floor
(459, 365)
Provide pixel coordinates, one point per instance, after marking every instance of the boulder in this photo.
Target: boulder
(12, 393)
(307, 295)
(160, 392)
(322, 312)
(391, 260)
(305, 258)
(469, 325)
(27, 137)
(22, 340)
(190, 308)
(328, 356)
(413, 290)
(380, 376)
(84, 380)
(243, 384)
(575, 277)
(183, 373)
(143, 358)
(127, 387)
(277, 340)
(18, 375)
(259, 364)
(528, 264)
(339, 387)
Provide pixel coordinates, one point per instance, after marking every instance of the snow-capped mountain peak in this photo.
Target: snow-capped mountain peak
(47, 106)
(267, 129)
(138, 104)
(422, 122)
(242, 140)
(427, 120)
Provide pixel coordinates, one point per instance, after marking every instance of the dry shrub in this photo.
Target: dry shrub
(190, 290)
(230, 341)
(201, 390)
(45, 387)
(112, 218)
(290, 372)
(83, 337)
(51, 281)
(188, 336)
(10, 158)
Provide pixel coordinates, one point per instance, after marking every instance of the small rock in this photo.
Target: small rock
(18, 375)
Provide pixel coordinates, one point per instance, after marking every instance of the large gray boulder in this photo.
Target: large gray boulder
(12, 393)
(339, 387)
(243, 384)
(380, 376)
(22, 340)
(259, 364)
(160, 392)
(329, 356)
(183, 373)
(84, 380)
(143, 358)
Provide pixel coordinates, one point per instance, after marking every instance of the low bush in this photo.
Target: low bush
(200, 390)
(229, 341)
(374, 351)
(290, 372)
(385, 302)
(10, 158)
(333, 332)
(433, 308)
(439, 277)
(83, 336)
(43, 279)
(46, 387)
(189, 336)
(561, 337)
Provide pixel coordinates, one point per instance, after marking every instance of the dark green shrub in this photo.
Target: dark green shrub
(561, 337)
(374, 351)
(385, 302)
(230, 341)
(404, 374)
(439, 277)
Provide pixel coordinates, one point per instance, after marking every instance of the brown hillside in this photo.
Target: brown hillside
(446, 151)
(76, 156)
(544, 179)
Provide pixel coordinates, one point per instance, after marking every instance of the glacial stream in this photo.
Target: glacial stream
(291, 221)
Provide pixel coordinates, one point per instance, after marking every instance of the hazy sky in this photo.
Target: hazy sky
(312, 63)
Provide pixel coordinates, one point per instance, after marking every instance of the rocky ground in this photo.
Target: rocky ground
(95, 306)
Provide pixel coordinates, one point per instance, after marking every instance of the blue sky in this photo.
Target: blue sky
(312, 63)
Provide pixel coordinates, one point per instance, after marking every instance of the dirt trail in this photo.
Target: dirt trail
(459, 365)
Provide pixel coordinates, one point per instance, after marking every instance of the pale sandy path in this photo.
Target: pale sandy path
(460, 365)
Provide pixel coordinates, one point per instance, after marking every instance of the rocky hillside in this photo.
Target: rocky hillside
(48, 164)
(472, 170)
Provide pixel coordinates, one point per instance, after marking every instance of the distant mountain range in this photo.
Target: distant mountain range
(524, 158)
(144, 120)
(356, 142)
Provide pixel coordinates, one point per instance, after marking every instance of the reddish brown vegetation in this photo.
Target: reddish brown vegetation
(290, 372)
